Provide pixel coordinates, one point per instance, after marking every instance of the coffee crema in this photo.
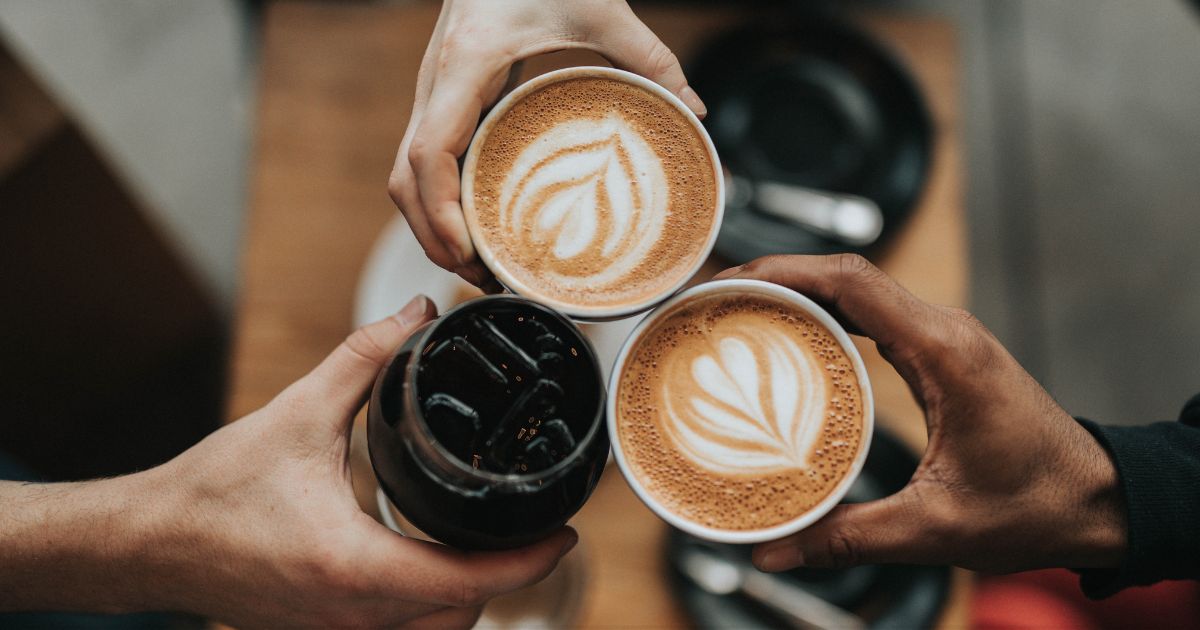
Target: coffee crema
(739, 411)
(595, 192)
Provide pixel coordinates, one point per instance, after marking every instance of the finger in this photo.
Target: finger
(857, 292)
(884, 531)
(402, 183)
(630, 45)
(402, 188)
(440, 140)
(436, 574)
(342, 380)
(446, 618)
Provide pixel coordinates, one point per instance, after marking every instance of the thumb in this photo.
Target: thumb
(342, 380)
(881, 531)
(631, 45)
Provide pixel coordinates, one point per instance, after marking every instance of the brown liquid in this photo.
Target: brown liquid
(689, 200)
(657, 388)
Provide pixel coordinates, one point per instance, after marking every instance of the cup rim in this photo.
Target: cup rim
(582, 312)
(780, 530)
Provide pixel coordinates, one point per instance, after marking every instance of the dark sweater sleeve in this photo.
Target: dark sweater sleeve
(1159, 469)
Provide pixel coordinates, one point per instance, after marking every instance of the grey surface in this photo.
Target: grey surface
(164, 88)
(1082, 120)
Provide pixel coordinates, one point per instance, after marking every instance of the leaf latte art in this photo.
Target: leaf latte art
(592, 194)
(754, 404)
(738, 410)
(584, 189)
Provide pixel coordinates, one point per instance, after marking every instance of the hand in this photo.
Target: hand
(257, 525)
(1008, 482)
(468, 64)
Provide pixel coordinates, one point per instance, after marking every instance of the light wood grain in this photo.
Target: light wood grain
(337, 84)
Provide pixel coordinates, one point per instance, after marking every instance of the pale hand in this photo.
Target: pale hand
(469, 63)
(255, 526)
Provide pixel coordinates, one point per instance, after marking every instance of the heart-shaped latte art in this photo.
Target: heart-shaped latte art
(754, 404)
(590, 191)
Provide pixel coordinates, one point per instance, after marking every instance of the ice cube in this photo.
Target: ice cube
(550, 364)
(535, 456)
(552, 443)
(520, 422)
(454, 423)
(457, 350)
(546, 340)
(509, 351)
(558, 434)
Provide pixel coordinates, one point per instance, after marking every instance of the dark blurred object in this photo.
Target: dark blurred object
(884, 596)
(111, 355)
(812, 102)
(1052, 599)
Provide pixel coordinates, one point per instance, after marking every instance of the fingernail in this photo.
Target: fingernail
(692, 100)
(780, 559)
(569, 545)
(412, 312)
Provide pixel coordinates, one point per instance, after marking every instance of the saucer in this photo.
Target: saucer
(811, 101)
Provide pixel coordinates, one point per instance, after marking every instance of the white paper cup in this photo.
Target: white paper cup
(744, 287)
(487, 251)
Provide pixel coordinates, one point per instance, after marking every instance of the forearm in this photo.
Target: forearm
(86, 546)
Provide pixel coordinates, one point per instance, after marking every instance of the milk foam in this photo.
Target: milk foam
(754, 404)
(592, 192)
(738, 411)
(587, 187)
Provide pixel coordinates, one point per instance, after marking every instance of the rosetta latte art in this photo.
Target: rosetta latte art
(753, 404)
(586, 190)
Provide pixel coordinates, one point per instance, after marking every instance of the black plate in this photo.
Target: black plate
(886, 596)
(810, 100)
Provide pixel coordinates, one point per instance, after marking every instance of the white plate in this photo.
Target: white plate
(398, 269)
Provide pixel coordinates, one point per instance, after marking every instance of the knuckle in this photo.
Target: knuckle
(969, 339)
(420, 151)
(399, 184)
(468, 594)
(660, 60)
(842, 550)
(964, 316)
(364, 344)
(462, 41)
(855, 266)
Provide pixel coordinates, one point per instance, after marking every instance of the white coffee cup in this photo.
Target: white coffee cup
(801, 521)
(486, 250)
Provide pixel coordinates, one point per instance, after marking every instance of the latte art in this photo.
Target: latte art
(591, 193)
(586, 188)
(755, 405)
(738, 411)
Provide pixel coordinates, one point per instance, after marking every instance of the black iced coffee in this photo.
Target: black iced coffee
(486, 428)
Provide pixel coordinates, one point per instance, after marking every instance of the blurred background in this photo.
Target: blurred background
(127, 129)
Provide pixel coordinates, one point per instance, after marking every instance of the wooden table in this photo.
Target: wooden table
(336, 89)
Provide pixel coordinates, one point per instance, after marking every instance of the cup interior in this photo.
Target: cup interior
(802, 520)
(487, 253)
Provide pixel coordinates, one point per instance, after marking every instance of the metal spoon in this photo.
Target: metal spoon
(849, 219)
(719, 576)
